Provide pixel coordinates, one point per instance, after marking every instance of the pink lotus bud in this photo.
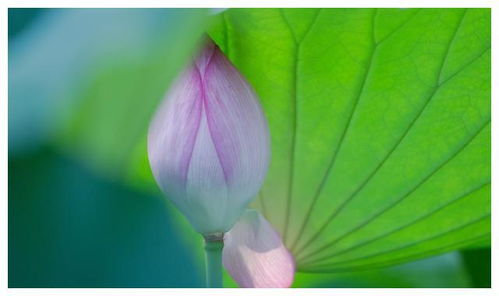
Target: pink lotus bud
(255, 256)
(208, 143)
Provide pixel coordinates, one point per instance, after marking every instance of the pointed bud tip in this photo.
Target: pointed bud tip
(205, 54)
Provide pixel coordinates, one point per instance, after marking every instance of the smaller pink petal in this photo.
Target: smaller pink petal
(255, 256)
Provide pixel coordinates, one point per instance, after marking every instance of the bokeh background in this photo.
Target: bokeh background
(84, 210)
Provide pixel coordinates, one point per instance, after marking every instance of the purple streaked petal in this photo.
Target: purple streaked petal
(206, 190)
(174, 129)
(205, 56)
(183, 158)
(208, 144)
(238, 126)
(255, 256)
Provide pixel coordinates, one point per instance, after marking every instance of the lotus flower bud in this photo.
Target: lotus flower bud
(255, 256)
(208, 143)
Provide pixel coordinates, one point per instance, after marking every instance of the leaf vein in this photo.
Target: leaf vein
(402, 227)
(403, 197)
(406, 132)
(295, 121)
(434, 251)
(335, 154)
(460, 227)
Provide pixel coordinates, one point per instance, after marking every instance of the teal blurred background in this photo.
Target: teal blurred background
(83, 208)
(74, 221)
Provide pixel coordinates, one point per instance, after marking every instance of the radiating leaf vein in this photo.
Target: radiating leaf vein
(415, 119)
(400, 228)
(460, 227)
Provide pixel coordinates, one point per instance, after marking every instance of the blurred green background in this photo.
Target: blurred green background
(83, 208)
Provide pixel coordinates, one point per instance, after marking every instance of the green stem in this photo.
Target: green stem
(213, 247)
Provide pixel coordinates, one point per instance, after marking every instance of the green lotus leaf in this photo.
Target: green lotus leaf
(380, 125)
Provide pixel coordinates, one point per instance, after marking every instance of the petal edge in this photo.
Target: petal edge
(255, 256)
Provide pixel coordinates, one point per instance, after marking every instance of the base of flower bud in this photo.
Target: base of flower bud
(213, 249)
(213, 237)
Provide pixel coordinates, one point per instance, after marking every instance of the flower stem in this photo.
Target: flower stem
(213, 248)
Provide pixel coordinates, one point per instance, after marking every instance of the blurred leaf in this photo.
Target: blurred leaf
(21, 19)
(380, 123)
(478, 263)
(71, 228)
(91, 84)
(102, 70)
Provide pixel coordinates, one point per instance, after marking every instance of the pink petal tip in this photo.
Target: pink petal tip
(255, 256)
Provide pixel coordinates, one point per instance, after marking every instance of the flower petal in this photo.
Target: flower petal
(208, 143)
(238, 127)
(183, 157)
(255, 256)
(173, 131)
(206, 190)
